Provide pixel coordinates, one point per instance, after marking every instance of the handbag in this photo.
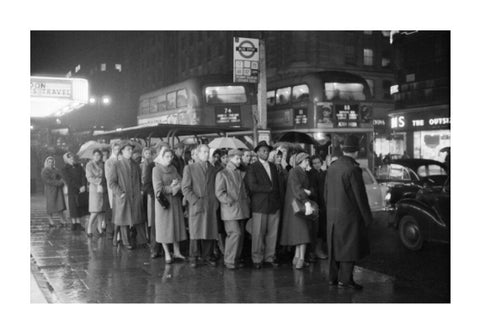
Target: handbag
(299, 210)
(163, 200)
(82, 200)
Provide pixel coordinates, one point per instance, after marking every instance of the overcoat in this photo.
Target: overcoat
(94, 173)
(348, 211)
(125, 179)
(147, 188)
(108, 172)
(295, 230)
(231, 192)
(170, 222)
(53, 190)
(74, 177)
(266, 194)
(198, 188)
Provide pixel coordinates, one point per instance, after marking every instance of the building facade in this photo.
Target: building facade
(419, 125)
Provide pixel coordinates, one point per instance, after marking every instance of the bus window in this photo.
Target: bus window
(344, 91)
(271, 98)
(283, 96)
(299, 93)
(171, 100)
(181, 98)
(225, 94)
(161, 102)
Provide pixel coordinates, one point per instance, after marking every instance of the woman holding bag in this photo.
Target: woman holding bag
(74, 177)
(169, 218)
(296, 229)
(96, 204)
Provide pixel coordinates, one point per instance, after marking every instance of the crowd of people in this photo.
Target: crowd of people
(282, 206)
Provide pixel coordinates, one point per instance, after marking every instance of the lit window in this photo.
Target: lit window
(371, 84)
(118, 67)
(225, 94)
(283, 96)
(385, 62)
(103, 67)
(368, 57)
(300, 93)
(271, 98)
(77, 68)
(69, 74)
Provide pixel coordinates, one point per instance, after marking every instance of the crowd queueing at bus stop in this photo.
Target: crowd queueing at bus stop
(282, 206)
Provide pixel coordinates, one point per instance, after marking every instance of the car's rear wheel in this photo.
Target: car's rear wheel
(410, 233)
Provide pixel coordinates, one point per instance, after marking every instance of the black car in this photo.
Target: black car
(425, 217)
(405, 177)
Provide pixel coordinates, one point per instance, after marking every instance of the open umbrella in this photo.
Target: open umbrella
(86, 150)
(297, 137)
(226, 142)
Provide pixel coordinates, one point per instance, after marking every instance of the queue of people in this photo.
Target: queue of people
(171, 196)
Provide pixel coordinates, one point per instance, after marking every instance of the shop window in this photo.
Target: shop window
(271, 98)
(368, 57)
(300, 93)
(118, 67)
(103, 67)
(283, 96)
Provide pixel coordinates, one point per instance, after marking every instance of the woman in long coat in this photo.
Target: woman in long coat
(296, 230)
(53, 191)
(74, 177)
(169, 222)
(96, 189)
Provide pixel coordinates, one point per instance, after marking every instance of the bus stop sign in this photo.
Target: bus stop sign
(245, 59)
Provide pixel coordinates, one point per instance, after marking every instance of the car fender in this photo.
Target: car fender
(424, 214)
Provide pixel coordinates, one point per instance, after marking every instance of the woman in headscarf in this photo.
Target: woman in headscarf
(295, 229)
(74, 177)
(53, 191)
(96, 205)
(169, 221)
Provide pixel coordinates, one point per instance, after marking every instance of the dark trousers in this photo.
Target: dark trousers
(155, 247)
(341, 271)
(202, 248)
(313, 238)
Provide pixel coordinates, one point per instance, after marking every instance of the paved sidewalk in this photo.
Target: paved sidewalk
(78, 269)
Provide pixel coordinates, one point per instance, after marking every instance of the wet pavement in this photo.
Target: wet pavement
(69, 267)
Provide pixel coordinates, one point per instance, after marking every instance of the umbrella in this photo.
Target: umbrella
(297, 137)
(86, 150)
(226, 142)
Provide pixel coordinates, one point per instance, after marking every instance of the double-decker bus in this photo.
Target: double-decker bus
(212, 100)
(326, 105)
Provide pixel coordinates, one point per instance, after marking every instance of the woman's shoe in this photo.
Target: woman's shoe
(300, 264)
(295, 261)
(179, 257)
(168, 261)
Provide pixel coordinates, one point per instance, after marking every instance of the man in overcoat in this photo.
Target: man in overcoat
(234, 207)
(198, 188)
(125, 182)
(348, 215)
(263, 184)
(108, 172)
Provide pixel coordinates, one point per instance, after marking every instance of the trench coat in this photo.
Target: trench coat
(94, 173)
(231, 191)
(125, 179)
(53, 190)
(198, 188)
(170, 222)
(295, 230)
(348, 211)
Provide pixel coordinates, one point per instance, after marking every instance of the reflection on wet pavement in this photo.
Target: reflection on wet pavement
(90, 270)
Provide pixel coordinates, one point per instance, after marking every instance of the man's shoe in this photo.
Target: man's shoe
(257, 265)
(350, 285)
(270, 264)
(230, 266)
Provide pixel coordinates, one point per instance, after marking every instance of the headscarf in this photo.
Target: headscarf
(45, 164)
(65, 157)
(300, 157)
(163, 149)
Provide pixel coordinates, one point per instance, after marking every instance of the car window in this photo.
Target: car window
(435, 170)
(367, 178)
(398, 172)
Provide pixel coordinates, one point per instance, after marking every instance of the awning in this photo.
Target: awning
(166, 131)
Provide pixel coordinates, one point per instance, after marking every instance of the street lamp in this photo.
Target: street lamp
(104, 100)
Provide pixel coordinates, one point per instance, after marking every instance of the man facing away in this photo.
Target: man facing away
(263, 184)
(348, 215)
(234, 207)
(198, 188)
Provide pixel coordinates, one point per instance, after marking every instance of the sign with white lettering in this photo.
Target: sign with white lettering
(245, 59)
(420, 121)
(227, 115)
(50, 88)
(347, 115)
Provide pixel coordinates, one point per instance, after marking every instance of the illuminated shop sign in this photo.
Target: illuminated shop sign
(419, 121)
